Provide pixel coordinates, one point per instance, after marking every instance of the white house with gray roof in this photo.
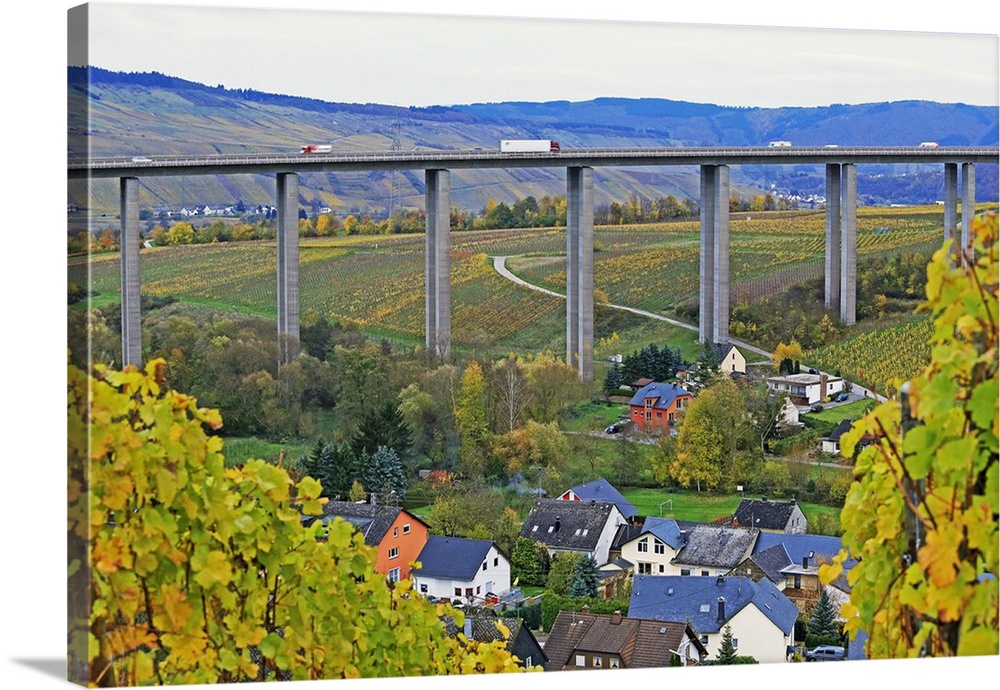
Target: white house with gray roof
(579, 527)
(465, 569)
(711, 550)
(654, 547)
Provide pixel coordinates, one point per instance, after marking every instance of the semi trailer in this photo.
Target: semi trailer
(316, 148)
(529, 146)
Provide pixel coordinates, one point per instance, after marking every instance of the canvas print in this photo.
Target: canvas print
(485, 351)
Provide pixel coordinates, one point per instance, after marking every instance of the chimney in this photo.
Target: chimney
(822, 386)
(792, 501)
(719, 581)
(585, 608)
(557, 523)
(616, 618)
(722, 609)
(805, 561)
(468, 627)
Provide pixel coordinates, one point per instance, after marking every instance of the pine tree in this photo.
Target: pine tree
(586, 578)
(613, 379)
(822, 627)
(727, 652)
(382, 472)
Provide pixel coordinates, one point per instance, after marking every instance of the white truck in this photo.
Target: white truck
(316, 148)
(528, 146)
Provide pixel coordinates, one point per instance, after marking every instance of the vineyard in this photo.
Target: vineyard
(377, 283)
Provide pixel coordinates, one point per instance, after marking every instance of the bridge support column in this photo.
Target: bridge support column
(713, 320)
(849, 244)
(951, 202)
(437, 262)
(288, 266)
(580, 271)
(968, 202)
(831, 271)
(129, 243)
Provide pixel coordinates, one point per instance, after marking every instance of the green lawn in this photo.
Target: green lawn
(702, 507)
(239, 450)
(852, 410)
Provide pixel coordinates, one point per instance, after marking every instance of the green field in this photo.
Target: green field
(701, 507)
(377, 283)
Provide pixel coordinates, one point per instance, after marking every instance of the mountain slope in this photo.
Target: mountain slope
(113, 113)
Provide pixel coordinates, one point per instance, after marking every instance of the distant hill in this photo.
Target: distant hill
(156, 114)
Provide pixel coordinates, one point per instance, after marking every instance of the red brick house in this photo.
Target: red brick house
(656, 407)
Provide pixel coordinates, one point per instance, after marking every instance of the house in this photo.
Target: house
(652, 549)
(760, 617)
(711, 550)
(464, 569)
(805, 389)
(574, 527)
(397, 535)
(640, 383)
(656, 407)
(600, 490)
(582, 640)
(521, 642)
(770, 516)
(615, 574)
(831, 443)
(731, 360)
(625, 534)
(791, 562)
(788, 415)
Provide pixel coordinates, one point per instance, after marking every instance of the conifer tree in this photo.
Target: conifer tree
(726, 655)
(586, 578)
(823, 623)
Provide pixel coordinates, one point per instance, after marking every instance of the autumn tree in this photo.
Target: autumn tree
(525, 566)
(561, 572)
(471, 419)
(512, 394)
(790, 351)
(921, 516)
(185, 572)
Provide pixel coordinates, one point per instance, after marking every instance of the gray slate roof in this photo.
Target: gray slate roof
(600, 490)
(717, 546)
(772, 561)
(570, 525)
(696, 600)
(373, 521)
(452, 557)
(665, 393)
(764, 513)
(664, 529)
(799, 546)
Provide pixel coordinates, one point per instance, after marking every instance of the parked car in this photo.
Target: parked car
(613, 429)
(816, 408)
(826, 652)
(841, 396)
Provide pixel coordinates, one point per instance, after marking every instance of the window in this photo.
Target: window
(395, 531)
(496, 561)
(685, 571)
(662, 569)
(643, 546)
(613, 662)
(394, 552)
(406, 528)
(658, 548)
(736, 643)
(645, 568)
(468, 592)
(458, 591)
(659, 415)
(479, 589)
(580, 660)
(598, 662)
(423, 589)
(798, 582)
(394, 575)
(534, 528)
(484, 565)
(704, 573)
(704, 639)
(527, 661)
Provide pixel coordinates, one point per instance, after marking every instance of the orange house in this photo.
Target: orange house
(397, 535)
(656, 407)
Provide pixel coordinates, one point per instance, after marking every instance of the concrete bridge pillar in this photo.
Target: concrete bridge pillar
(849, 244)
(713, 319)
(437, 262)
(129, 243)
(968, 201)
(951, 202)
(288, 266)
(580, 271)
(831, 279)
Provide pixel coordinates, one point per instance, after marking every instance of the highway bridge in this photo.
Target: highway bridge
(840, 163)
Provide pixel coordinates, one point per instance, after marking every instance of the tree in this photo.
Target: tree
(726, 656)
(822, 627)
(524, 564)
(471, 420)
(332, 465)
(792, 351)
(383, 426)
(185, 572)
(512, 393)
(613, 380)
(921, 516)
(586, 577)
(382, 473)
(561, 572)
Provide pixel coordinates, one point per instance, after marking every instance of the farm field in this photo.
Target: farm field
(376, 283)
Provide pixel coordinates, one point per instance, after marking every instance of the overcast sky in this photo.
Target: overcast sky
(444, 59)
